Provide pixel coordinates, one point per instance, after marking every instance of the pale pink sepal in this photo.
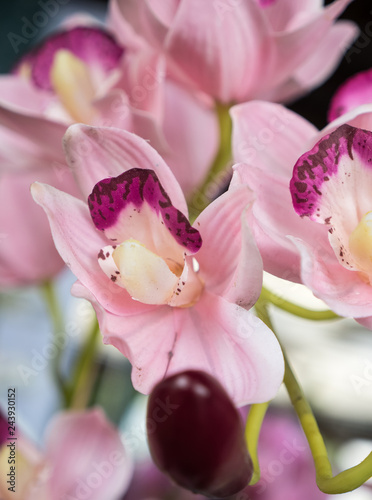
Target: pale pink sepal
(215, 335)
(191, 131)
(235, 271)
(27, 251)
(95, 153)
(223, 52)
(306, 38)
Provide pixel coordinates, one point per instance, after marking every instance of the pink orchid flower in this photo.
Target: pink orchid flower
(357, 90)
(308, 249)
(236, 50)
(168, 295)
(83, 457)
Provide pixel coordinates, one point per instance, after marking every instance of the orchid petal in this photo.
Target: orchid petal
(94, 153)
(35, 129)
(343, 290)
(214, 336)
(191, 131)
(222, 51)
(235, 271)
(306, 38)
(78, 242)
(231, 344)
(273, 218)
(269, 136)
(86, 457)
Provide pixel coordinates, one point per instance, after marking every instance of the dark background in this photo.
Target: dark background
(313, 107)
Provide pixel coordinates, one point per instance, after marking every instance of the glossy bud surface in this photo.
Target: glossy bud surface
(196, 435)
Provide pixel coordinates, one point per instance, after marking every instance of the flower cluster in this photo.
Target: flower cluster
(117, 129)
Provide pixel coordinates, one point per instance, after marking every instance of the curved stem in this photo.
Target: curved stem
(217, 176)
(347, 480)
(255, 418)
(58, 328)
(296, 310)
(82, 381)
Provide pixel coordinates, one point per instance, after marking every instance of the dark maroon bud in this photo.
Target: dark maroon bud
(196, 435)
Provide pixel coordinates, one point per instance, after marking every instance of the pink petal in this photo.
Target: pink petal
(355, 91)
(123, 20)
(231, 344)
(142, 78)
(285, 14)
(306, 38)
(27, 251)
(342, 289)
(18, 94)
(90, 44)
(132, 191)
(229, 261)
(269, 136)
(191, 130)
(86, 457)
(114, 110)
(322, 63)
(224, 51)
(214, 335)
(146, 339)
(94, 153)
(317, 67)
(273, 219)
(44, 133)
(157, 17)
(78, 242)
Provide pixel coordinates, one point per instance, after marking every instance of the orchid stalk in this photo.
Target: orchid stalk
(343, 482)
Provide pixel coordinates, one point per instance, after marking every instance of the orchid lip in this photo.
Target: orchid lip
(92, 45)
(152, 240)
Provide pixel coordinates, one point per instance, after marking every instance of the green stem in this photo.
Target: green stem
(347, 480)
(255, 418)
(296, 310)
(58, 328)
(216, 178)
(82, 380)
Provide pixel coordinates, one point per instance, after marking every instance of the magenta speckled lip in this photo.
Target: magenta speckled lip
(317, 166)
(138, 186)
(91, 45)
